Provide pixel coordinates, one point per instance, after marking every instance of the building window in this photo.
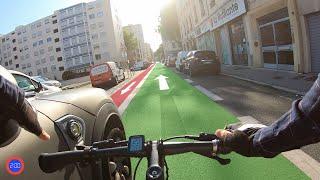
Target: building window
(24, 66)
(53, 68)
(10, 62)
(55, 30)
(91, 16)
(15, 57)
(48, 30)
(56, 40)
(51, 58)
(13, 40)
(17, 65)
(41, 51)
(15, 49)
(50, 48)
(58, 49)
(39, 33)
(54, 21)
(36, 53)
(45, 70)
(49, 39)
(99, 14)
(39, 72)
(100, 24)
(25, 39)
(40, 42)
(34, 35)
(35, 44)
(212, 3)
(46, 21)
(39, 24)
(6, 64)
(59, 59)
(61, 68)
(96, 47)
(37, 62)
(97, 56)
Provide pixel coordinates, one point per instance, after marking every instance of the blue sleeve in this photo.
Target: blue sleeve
(300, 126)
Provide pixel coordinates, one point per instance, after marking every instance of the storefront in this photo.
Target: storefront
(227, 21)
(276, 40)
(313, 21)
(205, 38)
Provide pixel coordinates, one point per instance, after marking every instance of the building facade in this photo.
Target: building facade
(148, 52)
(71, 39)
(274, 34)
(137, 32)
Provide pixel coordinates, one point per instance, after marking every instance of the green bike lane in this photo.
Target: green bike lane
(184, 110)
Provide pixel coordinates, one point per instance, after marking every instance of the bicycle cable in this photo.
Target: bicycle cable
(136, 168)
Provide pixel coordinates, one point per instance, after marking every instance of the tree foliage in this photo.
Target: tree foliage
(131, 44)
(159, 52)
(169, 26)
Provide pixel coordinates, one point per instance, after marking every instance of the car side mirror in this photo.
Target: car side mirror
(38, 87)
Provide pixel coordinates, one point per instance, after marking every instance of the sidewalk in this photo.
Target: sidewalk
(283, 80)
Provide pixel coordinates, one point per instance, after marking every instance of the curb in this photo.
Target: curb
(266, 84)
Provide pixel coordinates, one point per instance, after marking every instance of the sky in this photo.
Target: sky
(20, 12)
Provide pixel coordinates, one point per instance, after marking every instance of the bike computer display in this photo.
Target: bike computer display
(136, 143)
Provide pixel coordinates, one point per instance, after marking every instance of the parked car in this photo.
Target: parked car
(72, 117)
(140, 65)
(31, 86)
(170, 62)
(181, 57)
(106, 74)
(202, 62)
(46, 81)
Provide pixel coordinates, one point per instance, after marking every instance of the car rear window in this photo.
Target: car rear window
(99, 69)
(206, 55)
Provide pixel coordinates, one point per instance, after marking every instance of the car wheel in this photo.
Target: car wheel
(124, 77)
(191, 73)
(118, 168)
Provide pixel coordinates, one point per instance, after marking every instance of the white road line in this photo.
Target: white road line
(127, 101)
(209, 93)
(189, 80)
(303, 161)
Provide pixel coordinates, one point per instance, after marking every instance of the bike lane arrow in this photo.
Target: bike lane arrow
(163, 85)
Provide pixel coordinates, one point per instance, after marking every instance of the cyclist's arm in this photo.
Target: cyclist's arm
(298, 127)
(14, 105)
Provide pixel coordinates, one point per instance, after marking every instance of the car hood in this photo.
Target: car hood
(87, 99)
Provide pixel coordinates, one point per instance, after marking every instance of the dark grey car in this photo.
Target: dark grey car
(72, 117)
(202, 62)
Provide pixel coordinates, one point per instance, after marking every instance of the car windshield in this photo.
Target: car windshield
(40, 78)
(205, 55)
(24, 83)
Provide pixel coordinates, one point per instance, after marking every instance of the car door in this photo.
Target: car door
(19, 158)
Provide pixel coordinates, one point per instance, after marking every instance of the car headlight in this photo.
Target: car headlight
(74, 129)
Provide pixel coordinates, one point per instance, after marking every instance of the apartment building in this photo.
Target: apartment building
(137, 31)
(71, 39)
(34, 49)
(148, 52)
(273, 34)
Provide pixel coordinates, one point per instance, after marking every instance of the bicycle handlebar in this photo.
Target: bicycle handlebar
(155, 151)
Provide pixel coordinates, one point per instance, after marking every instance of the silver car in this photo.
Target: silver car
(46, 81)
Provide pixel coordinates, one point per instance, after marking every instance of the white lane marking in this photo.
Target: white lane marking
(127, 88)
(209, 93)
(189, 80)
(163, 85)
(303, 161)
(127, 101)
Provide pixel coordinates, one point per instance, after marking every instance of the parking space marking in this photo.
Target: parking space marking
(208, 93)
(303, 161)
(189, 80)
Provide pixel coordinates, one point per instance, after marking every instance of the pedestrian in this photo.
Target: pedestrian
(14, 105)
(298, 127)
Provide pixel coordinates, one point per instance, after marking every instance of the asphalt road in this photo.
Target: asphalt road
(244, 98)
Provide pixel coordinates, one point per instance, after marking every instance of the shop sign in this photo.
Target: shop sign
(205, 27)
(229, 11)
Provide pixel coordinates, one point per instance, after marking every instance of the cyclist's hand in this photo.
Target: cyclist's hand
(238, 137)
(28, 119)
(236, 141)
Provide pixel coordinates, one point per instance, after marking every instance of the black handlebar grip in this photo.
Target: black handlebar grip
(52, 162)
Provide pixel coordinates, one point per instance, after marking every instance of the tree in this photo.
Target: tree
(159, 53)
(169, 26)
(131, 44)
